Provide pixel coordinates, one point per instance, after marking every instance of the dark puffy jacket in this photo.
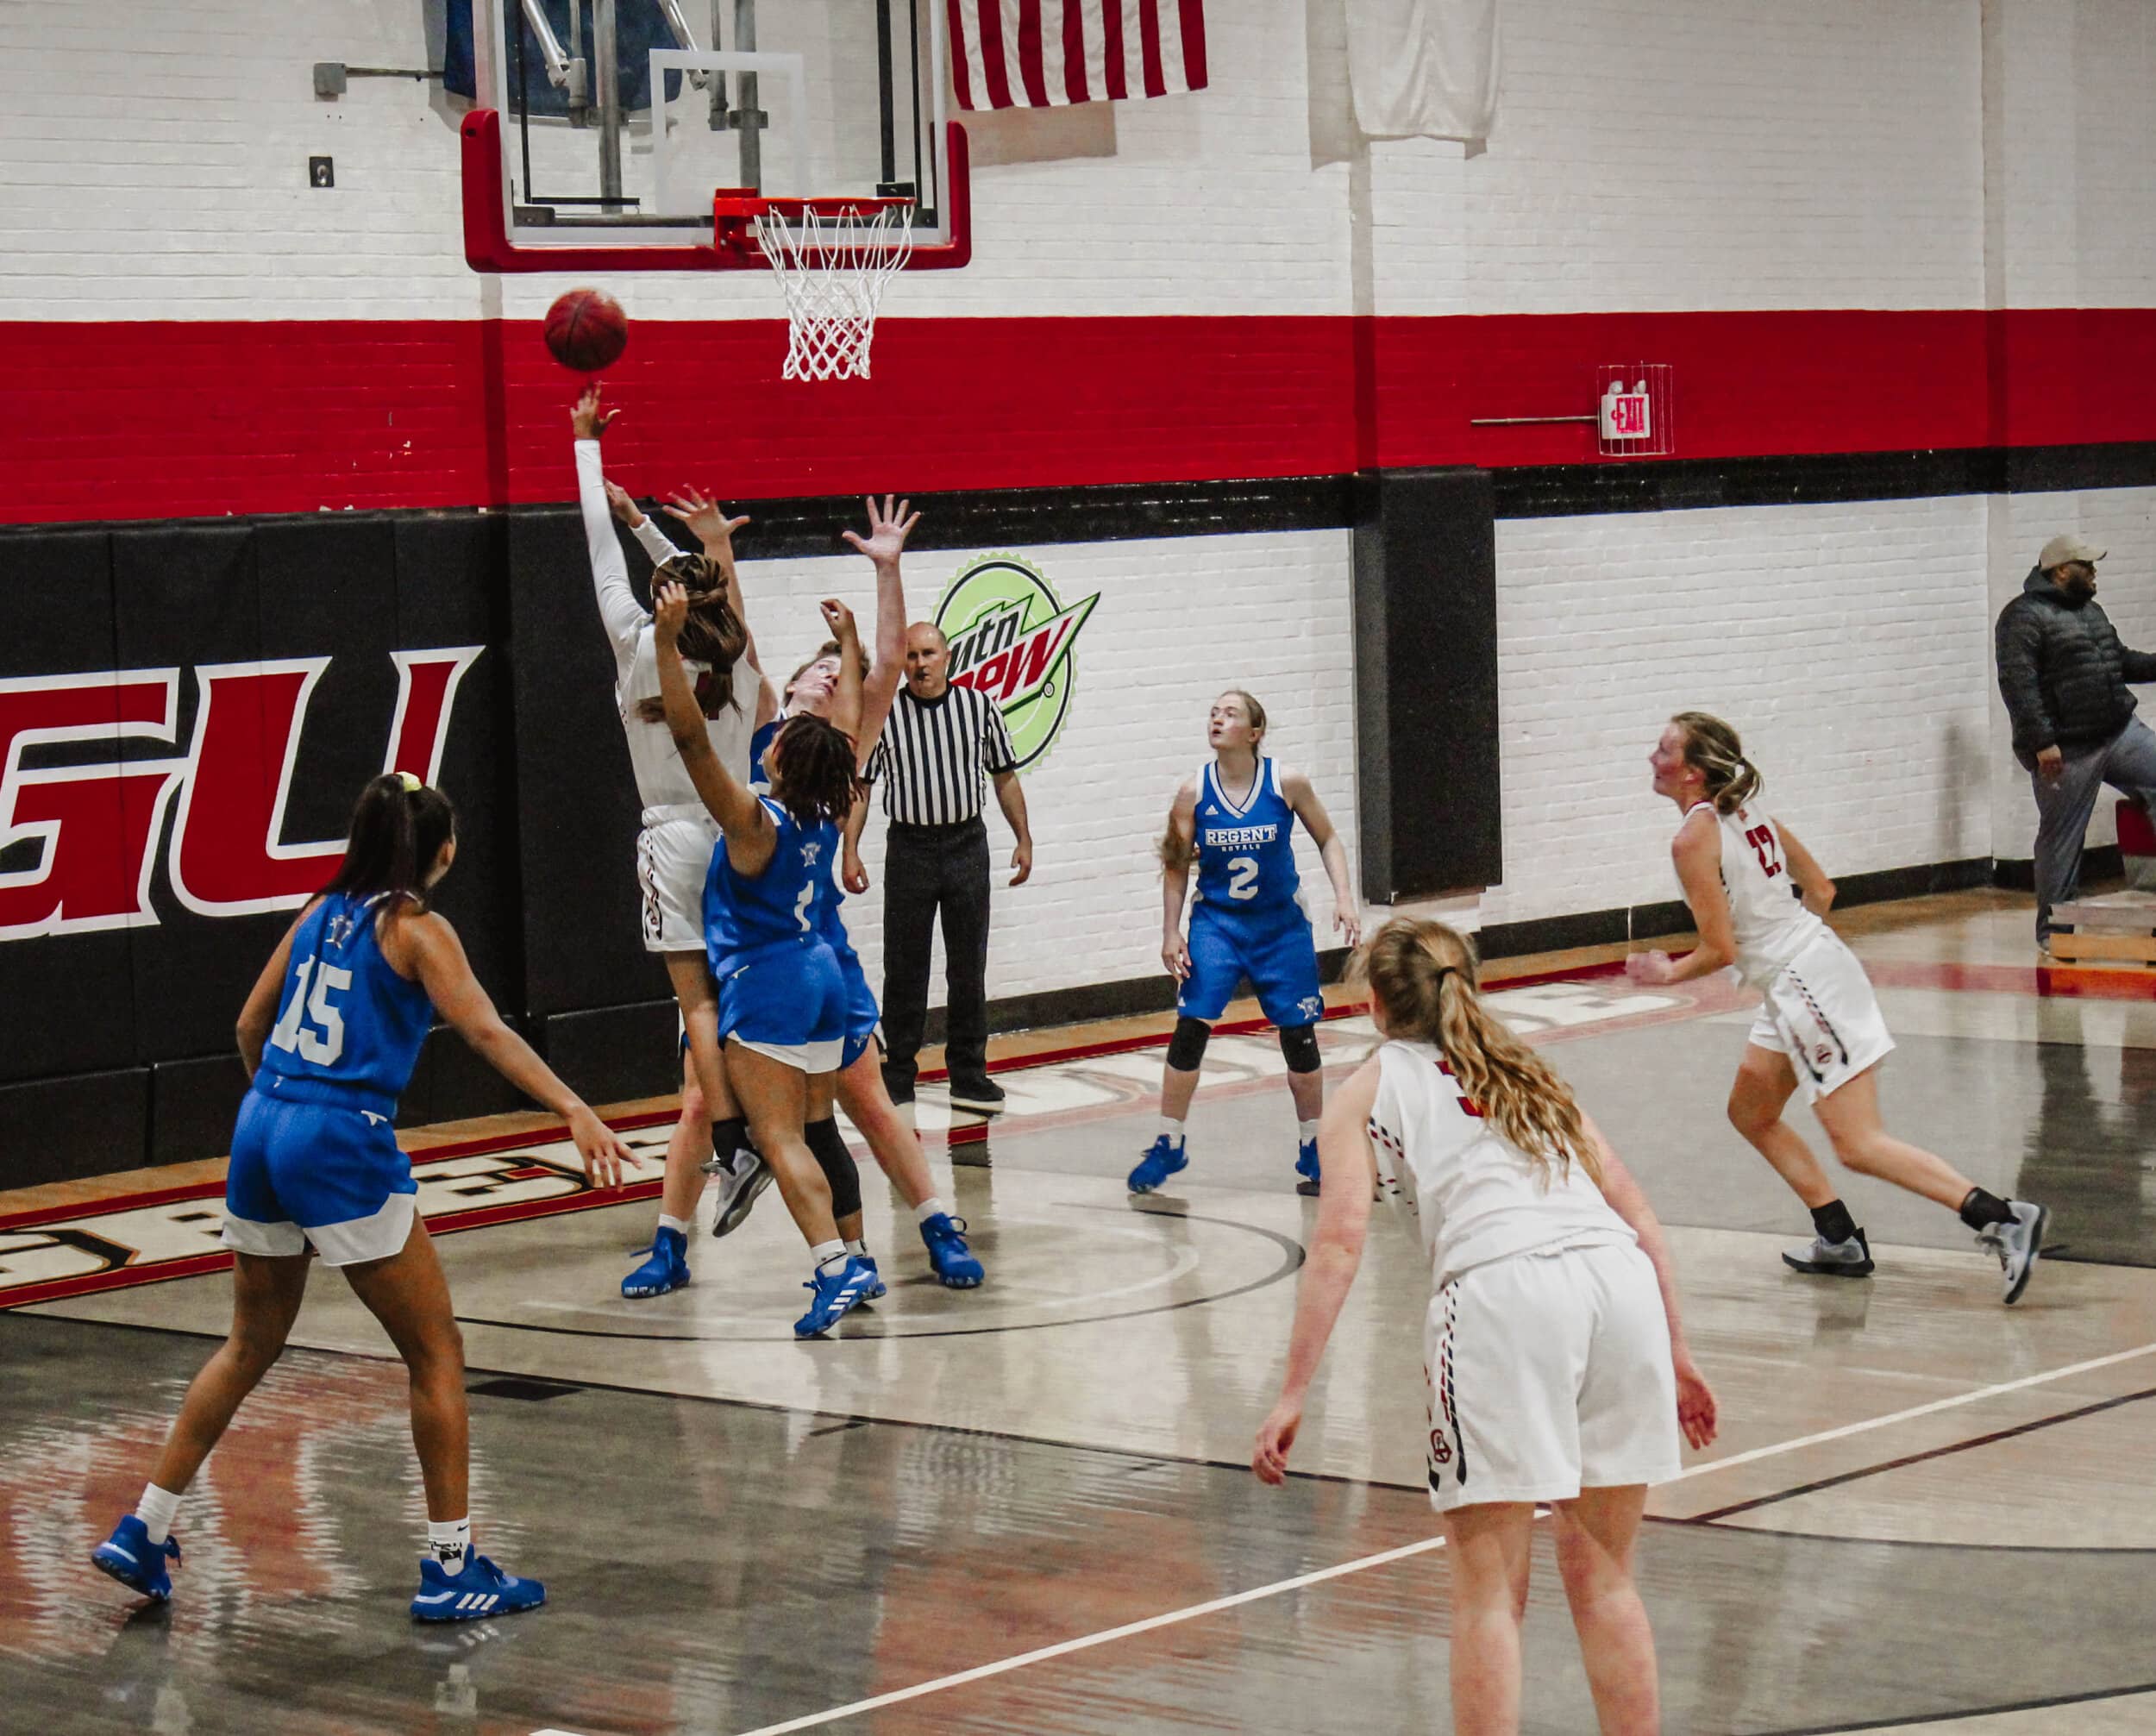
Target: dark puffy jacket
(2062, 670)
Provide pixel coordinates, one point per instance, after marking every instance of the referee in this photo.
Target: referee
(939, 742)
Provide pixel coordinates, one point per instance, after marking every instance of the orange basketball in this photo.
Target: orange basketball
(586, 330)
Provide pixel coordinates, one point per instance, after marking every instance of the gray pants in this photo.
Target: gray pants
(2065, 803)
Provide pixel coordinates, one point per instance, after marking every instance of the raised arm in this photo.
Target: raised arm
(1348, 1173)
(427, 948)
(618, 611)
(845, 712)
(750, 836)
(714, 532)
(1347, 915)
(1177, 848)
(1694, 1398)
(885, 541)
(1697, 854)
(1811, 879)
(852, 874)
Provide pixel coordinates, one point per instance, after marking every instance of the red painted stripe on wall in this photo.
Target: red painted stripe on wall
(194, 419)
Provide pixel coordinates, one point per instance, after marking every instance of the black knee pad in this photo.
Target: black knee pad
(837, 1164)
(1187, 1047)
(1298, 1042)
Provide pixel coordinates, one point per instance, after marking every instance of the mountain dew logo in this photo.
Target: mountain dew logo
(1012, 640)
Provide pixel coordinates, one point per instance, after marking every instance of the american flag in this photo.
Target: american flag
(1034, 53)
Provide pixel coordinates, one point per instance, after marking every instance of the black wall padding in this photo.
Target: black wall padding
(1425, 683)
(68, 999)
(120, 1040)
(577, 811)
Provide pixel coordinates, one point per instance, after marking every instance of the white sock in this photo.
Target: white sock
(1173, 1129)
(1305, 1132)
(933, 1207)
(858, 1250)
(680, 1226)
(449, 1541)
(831, 1254)
(155, 1510)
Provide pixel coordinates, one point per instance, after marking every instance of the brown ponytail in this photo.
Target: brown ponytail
(1424, 978)
(712, 634)
(398, 830)
(1712, 746)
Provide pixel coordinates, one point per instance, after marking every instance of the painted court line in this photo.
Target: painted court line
(1172, 1618)
(1924, 1410)
(1064, 1648)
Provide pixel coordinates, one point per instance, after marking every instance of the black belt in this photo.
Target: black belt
(910, 831)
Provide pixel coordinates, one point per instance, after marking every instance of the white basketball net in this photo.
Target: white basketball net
(833, 267)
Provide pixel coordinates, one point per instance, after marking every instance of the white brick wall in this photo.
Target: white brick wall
(1846, 644)
(1179, 620)
(1730, 153)
(1688, 154)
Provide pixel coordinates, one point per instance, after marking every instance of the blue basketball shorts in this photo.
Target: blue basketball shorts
(1278, 956)
(862, 1014)
(786, 1001)
(320, 1170)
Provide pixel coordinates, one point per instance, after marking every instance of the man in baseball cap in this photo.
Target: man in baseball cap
(2064, 674)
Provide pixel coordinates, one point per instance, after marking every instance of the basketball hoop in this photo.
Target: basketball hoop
(832, 257)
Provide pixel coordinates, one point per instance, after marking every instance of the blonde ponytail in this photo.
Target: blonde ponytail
(1423, 976)
(1712, 746)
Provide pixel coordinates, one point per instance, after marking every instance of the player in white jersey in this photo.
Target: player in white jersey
(1555, 1362)
(673, 851)
(1820, 1031)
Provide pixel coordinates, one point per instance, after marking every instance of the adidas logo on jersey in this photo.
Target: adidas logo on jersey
(1211, 812)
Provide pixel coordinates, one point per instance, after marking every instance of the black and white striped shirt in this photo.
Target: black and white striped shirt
(933, 754)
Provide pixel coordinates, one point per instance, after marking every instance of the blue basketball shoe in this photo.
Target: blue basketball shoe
(835, 1295)
(954, 1262)
(130, 1556)
(1163, 1159)
(481, 1589)
(1306, 1166)
(666, 1269)
(877, 1289)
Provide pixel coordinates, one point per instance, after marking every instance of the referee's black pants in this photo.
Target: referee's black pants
(927, 869)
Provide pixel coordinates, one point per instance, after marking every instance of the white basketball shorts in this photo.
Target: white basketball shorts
(1549, 1372)
(673, 855)
(1821, 1011)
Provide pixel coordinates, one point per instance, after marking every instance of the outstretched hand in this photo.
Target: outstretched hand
(670, 610)
(839, 620)
(705, 518)
(887, 530)
(586, 420)
(624, 504)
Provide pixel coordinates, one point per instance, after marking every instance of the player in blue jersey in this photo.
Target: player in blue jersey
(329, 1036)
(781, 1000)
(1235, 821)
(810, 692)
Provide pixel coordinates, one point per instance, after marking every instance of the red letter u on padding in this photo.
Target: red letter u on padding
(228, 858)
